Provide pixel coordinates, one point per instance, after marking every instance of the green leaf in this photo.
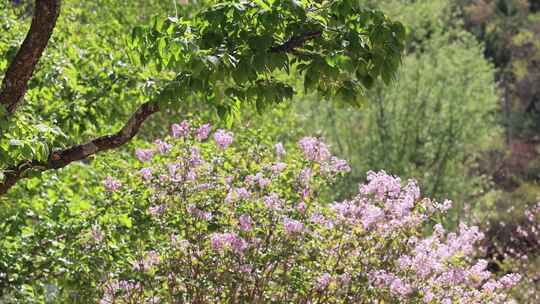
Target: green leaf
(125, 220)
(263, 4)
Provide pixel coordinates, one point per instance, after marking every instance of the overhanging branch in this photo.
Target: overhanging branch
(20, 71)
(22, 67)
(60, 159)
(295, 42)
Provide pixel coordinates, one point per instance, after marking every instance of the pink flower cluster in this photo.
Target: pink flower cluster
(383, 205)
(246, 223)
(314, 149)
(180, 130)
(292, 227)
(111, 184)
(237, 194)
(317, 151)
(260, 224)
(223, 138)
(228, 241)
(203, 132)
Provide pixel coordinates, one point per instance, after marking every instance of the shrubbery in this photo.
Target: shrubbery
(210, 218)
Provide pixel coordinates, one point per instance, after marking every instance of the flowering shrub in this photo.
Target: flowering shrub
(246, 225)
(513, 244)
(208, 216)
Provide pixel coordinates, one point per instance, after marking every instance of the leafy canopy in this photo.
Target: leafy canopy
(237, 51)
(227, 54)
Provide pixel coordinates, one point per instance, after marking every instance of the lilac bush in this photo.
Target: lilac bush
(226, 222)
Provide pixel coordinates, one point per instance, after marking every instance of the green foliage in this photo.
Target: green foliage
(431, 124)
(84, 84)
(437, 115)
(46, 243)
(509, 29)
(421, 17)
(107, 57)
(237, 52)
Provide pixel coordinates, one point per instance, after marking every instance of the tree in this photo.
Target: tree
(229, 54)
(431, 124)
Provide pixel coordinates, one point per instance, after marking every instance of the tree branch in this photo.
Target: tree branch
(20, 72)
(295, 42)
(60, 159)
(22, 67)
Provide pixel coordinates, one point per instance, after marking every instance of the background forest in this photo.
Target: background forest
(461, 115)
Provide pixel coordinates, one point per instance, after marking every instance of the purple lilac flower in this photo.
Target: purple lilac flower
(301, 207)
(97, 234)
(181, 129)
(339, 165)
(157, 210)
(398, 287)
(491, 286)
(381, 184)
(173, 168)
(196, 159)
(162, 146)
(292, 226)
(510, 280)
(382, 279)
(144, 155)
(198, 213)
(371, 215)
(272, 201)
(261, 180)
(249, 179)
(202, 132)
(317, 218)
(280, 150)
(428, 297)
(345, 279)
(445, 206)
(306, 192)
(113, 288)
(245, 268)
(223, 138)
(246, 223)
(314, 149)
(111, 184)
(223, 241)
(192, 175)
(323, 281)
(146, 173)
(305, 176)
(479, 271)
(236, 194)
(150, 260)
(278, 167)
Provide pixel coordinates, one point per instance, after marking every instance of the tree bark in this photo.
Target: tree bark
(62, 158)
(22, 67)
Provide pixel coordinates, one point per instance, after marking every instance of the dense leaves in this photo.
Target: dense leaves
(237, 51)
(227, 54)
